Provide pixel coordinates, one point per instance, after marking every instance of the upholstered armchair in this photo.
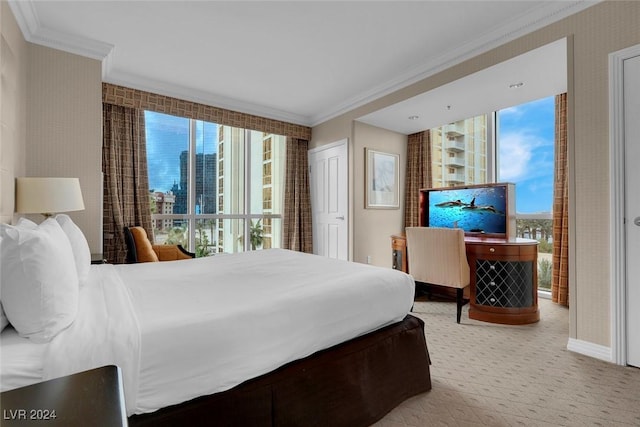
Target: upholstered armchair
(140, 249)
(437, 256)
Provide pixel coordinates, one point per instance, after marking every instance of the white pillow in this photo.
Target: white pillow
(22, 223)
(26, 223)
(39, 280)
(79, 245)
(3, 317)
(4, 322)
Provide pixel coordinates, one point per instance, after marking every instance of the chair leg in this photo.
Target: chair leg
(459, 302)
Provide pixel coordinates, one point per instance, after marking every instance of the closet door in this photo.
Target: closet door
(328, 169)
(632, 204)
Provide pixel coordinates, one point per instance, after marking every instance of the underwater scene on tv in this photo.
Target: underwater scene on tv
(475, 210)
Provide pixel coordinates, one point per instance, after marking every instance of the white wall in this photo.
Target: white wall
(372, 228)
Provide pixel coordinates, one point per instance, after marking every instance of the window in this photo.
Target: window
(459, 153)
(463, 152)
(214, 188)
(522, 152)
(525, 136)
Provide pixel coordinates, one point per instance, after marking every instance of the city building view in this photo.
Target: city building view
(463, 153)
(459, 153)
(214, 188)
(219, 189)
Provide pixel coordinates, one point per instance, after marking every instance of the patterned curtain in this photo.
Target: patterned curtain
(418, 174)
(126, 184)
(560, 269)
(296, 221)
(134, 98)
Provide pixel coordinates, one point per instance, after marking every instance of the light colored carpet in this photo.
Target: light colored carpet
(485, 374)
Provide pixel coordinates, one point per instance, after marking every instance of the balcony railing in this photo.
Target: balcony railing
(455, 162)
(455, 178)
(454, 130)
(456, 146)
(539, 227)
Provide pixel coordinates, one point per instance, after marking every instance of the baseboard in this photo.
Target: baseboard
(589, 349)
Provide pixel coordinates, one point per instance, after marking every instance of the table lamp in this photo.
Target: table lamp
(48, 196)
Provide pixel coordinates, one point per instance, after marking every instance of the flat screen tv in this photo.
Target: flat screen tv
(482, 210)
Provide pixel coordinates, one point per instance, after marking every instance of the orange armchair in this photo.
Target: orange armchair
(140, 249)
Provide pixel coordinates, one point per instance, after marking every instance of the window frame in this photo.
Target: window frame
(192, 218)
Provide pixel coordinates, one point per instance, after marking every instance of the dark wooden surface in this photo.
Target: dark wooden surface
(91, 398)
(492, 249)
(512, 288)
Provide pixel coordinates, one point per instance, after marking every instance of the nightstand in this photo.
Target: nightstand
(98, 259)
(89, 398)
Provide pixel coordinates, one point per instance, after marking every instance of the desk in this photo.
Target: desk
(90, 398)
(504, 277)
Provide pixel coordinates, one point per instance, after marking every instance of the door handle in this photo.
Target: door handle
(636, 221)
(340, 217)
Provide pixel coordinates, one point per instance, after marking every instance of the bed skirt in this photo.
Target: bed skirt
(351, 384)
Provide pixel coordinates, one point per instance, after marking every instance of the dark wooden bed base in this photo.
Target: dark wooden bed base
(351, 384)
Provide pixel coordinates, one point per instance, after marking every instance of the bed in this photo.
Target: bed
(271, 337)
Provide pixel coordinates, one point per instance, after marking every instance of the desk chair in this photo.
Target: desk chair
(140, 249)
(437, 256)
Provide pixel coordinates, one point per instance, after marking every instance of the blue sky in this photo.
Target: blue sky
(526, 145)
(167, 137)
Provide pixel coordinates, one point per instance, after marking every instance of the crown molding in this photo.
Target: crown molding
(26, 16)
(33, 32)
(202, 97)
(525, 24)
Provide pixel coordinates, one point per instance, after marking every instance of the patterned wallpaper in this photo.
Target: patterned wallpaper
(13, 110)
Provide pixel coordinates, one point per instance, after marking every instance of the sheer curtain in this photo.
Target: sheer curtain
(126, 185)
(296, 221)
(418, 174)
(560, 276)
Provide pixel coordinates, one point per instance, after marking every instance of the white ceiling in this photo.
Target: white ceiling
(542, 73)
(298, 61)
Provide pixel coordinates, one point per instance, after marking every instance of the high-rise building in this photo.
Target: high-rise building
(164, 203)
(267, 170)
(206, 175)
(268, 196)
(205, 194)
(459, 153)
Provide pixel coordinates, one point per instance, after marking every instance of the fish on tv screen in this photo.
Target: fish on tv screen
(475, 210)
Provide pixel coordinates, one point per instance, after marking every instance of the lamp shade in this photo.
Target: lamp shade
(48, 195)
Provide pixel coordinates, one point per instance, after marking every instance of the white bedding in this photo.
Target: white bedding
(104, 332)
(196, 327)
(20, 360)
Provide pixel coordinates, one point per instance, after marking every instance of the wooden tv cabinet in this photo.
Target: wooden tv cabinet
(504, 277)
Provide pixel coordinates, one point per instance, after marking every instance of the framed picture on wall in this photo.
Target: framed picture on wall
(382, 180)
